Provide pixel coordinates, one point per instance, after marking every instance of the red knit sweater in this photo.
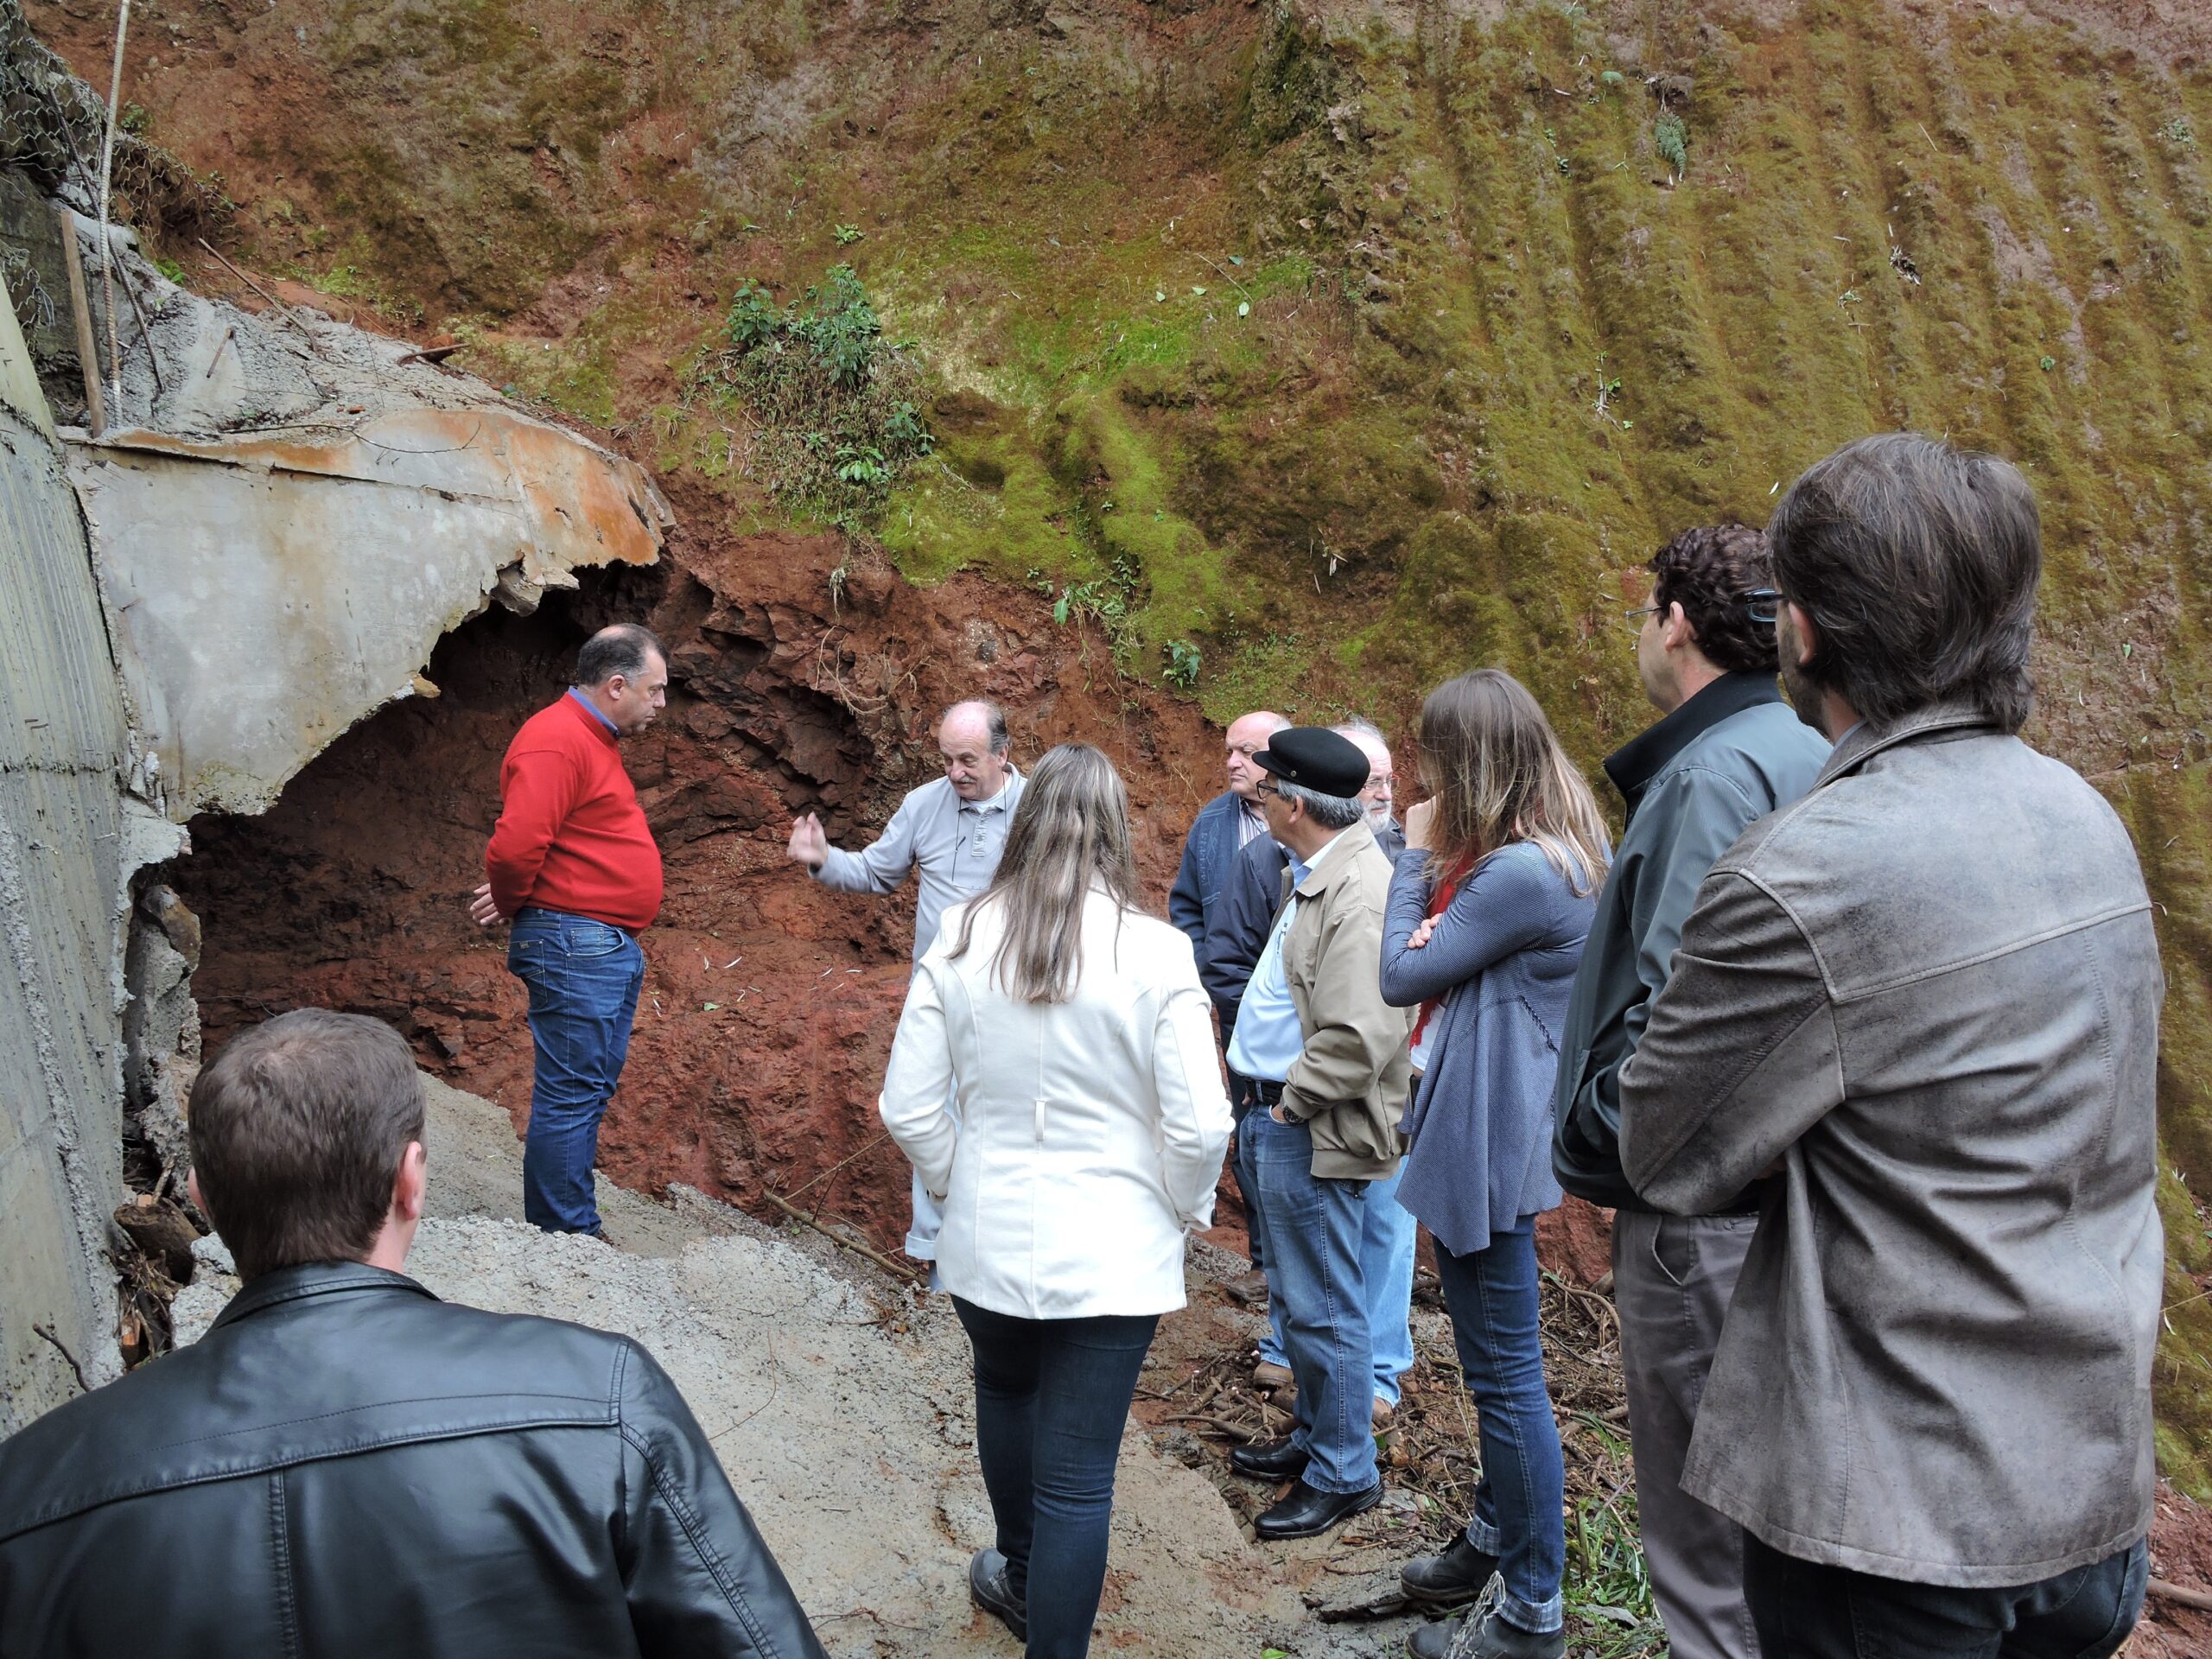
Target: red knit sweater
(571, 835)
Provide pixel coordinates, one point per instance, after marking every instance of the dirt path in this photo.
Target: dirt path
(843, 1412)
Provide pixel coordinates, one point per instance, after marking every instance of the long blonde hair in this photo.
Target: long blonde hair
(1071, 833)
(1499, 775)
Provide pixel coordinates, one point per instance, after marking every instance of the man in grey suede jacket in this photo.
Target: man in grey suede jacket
(1924, 1000)
(1728, 752)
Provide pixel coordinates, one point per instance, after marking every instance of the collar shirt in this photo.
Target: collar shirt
(593, 707)
(1251, 824)
(954, 844)
(1268, 1038)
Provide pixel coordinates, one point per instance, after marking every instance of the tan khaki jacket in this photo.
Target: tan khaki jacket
(1349, 1085)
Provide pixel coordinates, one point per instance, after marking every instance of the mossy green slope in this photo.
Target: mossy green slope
(1359, 344)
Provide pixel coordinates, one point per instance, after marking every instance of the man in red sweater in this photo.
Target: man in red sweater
(574, 868)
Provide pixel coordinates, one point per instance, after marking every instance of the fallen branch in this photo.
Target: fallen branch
(83, 1386)
(2180, 1594)
(1238, 1430)
(910, 1275)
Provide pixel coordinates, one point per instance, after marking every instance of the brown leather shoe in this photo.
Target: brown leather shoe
(1267, 1376)
(1383, 1415)
(1249, 1288)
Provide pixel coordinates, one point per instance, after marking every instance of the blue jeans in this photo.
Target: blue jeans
(1313, 1234)
(1386, 1267)
(1052, 1397)
(584, 977)
(1492, 1294)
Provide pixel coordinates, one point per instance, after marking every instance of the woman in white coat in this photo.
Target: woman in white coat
(1071, 1030)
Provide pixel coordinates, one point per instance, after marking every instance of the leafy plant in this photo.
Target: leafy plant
(847, 235)
(1183, 660)
(862, 463)
(837, 408)
(1671, 139)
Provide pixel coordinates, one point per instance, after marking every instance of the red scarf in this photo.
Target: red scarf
(1439, 900)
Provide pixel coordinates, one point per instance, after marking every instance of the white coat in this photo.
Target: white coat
(1088, 1135)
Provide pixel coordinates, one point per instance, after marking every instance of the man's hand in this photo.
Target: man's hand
(1418, 820)
(481, 910)
(810, 842)
(1275, 1112)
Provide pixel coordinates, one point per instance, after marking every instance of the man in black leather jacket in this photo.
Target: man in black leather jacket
(346, 1465)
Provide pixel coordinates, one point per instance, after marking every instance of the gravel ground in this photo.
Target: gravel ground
(842, 1407)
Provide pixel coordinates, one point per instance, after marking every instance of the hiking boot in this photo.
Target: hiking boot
(1269, 1376)
(988, 1589)
(1249, 1288)
(1484, 1634)
(1450, 1579)
(1383, 1415)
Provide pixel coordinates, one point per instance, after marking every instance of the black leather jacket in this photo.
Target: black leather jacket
(346, 1465)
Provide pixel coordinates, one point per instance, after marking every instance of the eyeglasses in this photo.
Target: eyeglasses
(1633, 621)
(1264, 788)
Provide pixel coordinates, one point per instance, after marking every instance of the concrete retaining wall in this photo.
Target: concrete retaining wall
(65, 853)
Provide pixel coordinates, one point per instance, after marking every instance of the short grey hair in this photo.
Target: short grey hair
(622, 648)
(1330, 811)
(993, 721)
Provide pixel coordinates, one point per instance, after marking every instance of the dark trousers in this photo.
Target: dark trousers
(1243, 1095)
(1051, 1398)
(583, 977)
(1805, 1611)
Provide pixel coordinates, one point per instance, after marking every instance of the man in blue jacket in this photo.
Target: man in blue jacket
(1224, 826)
(1728, 752)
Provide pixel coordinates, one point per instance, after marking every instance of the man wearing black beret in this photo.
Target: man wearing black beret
(1327, 1056)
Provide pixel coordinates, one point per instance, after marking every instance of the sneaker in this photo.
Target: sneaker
(1484, 1633)
(988, 1589)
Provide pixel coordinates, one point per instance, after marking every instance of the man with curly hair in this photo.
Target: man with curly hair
(1728, 752)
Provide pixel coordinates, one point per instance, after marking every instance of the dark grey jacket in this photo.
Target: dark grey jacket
(1930, 990)
(1692, 783)
(346, 1466)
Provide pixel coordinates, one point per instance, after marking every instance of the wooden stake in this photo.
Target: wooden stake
(80, 307)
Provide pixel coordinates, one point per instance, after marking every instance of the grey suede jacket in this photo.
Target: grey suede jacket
(1692, 783)
(1930, 990)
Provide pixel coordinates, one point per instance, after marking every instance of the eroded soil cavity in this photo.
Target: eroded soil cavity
(802, 675)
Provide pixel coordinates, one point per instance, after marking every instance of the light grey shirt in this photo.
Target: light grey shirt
(955, 843)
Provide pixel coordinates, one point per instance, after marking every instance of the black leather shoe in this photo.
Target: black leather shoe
(1269, 1460)
(987, 1588)
(1307, 1511)
(1450, 1579)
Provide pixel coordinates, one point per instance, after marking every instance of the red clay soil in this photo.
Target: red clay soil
(769, 1003)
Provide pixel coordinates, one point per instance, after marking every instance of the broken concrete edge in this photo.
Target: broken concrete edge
(268, 590)
(200, 611)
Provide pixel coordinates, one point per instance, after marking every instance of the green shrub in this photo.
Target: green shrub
(834, 404)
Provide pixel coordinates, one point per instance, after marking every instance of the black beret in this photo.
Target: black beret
(1315, 758)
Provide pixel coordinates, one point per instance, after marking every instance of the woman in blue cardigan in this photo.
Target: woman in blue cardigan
(1491, 901)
